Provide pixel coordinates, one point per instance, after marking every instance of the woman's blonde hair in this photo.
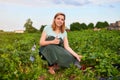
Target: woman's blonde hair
(54, 25)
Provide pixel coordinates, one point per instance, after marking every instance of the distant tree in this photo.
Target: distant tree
(1, 31)
(99, 25)
(106, 24)
(42, 27)
(90, 25)
(28, 26)
(75, 26)
(83, 26)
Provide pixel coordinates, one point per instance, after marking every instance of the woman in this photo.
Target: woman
(55, 47)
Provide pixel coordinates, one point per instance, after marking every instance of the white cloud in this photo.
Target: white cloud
(103, 1)
(57, 2)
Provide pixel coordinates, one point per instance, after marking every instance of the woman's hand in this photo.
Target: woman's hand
(78, 57)
(56, 40)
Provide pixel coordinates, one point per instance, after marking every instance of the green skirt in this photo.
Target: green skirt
(57, 54)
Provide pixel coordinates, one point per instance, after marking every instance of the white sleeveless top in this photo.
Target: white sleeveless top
(49, 31)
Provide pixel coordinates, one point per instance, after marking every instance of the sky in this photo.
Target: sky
(14, 13)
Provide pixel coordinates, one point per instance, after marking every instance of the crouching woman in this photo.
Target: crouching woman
(54, 45)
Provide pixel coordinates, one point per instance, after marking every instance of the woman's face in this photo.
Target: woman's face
(59, 20)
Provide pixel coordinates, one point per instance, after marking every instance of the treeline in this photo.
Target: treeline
(76, 26)
(81, 26)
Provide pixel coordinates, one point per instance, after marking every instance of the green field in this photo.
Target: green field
(100, 50)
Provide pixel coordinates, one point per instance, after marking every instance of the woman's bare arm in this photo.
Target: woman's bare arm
(68, 48)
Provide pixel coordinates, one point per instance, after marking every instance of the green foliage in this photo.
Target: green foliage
(42, 27)
(83, 26)
(28, 27)
(100, 50)
(1, 31)
(90, 26)
(75, 26)
(102, 24)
